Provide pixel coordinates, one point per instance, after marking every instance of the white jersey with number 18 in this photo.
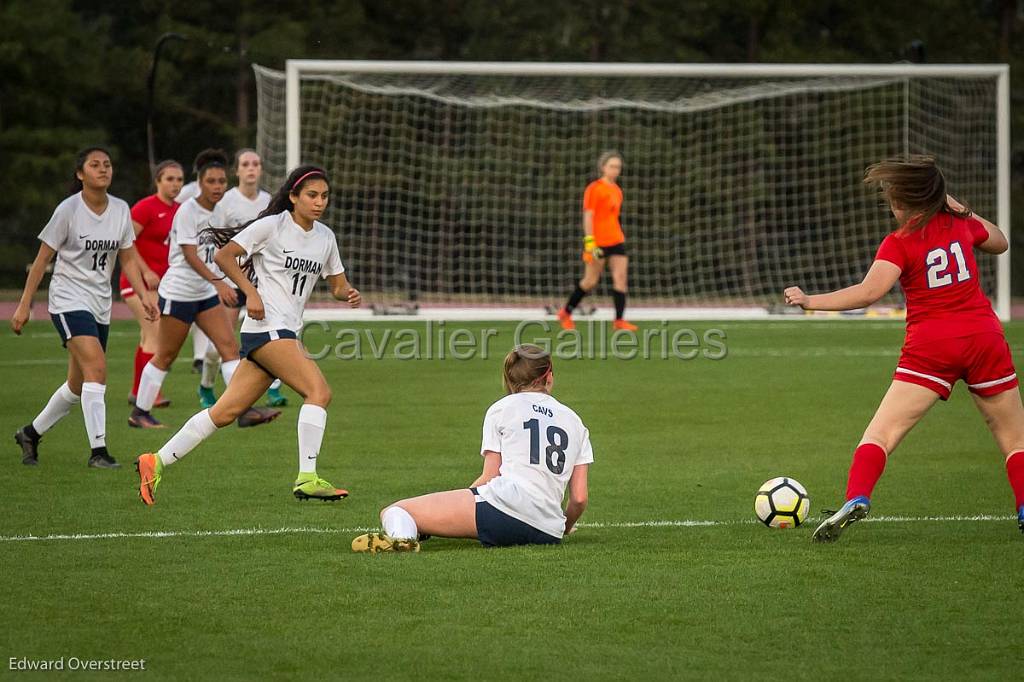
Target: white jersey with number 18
(540, 441)
(288, 261)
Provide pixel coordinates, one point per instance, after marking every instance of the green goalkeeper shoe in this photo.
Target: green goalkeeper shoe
(372, 543)
(312, 487)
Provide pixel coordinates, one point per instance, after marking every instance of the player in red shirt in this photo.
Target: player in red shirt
(152, 218)
(952, 331)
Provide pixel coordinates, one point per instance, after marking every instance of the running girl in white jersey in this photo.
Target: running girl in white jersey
(189, 292)
(240, 205)
(287, 250)
(87, 231)
(533, 448)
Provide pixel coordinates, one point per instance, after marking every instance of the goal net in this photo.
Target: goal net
(462, 183)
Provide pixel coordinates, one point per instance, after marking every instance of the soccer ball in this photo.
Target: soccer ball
(782, 503)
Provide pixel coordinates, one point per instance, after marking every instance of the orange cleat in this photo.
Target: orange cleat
(565, 319)
(149, 467)
(624, 326)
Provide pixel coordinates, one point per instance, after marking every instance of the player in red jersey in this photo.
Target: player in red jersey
(152, 218)
(952, 331)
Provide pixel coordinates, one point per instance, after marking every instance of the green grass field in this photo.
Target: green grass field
(229, 577)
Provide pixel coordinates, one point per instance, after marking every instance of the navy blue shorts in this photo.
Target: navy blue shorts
(495, 528)
(79, 323)
(186, 311)
(252, 341)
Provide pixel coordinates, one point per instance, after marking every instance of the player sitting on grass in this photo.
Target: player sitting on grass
(533, 447)
(952, 332)
(288, 250)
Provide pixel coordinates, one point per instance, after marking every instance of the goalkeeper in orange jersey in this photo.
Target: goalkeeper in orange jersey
(603, 242)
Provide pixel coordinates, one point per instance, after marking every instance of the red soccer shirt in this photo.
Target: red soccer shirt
(153, 244)
(939, 276)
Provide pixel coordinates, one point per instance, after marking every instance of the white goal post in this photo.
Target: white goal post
(460, 183)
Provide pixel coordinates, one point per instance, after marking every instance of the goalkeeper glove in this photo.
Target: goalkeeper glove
(590, 249)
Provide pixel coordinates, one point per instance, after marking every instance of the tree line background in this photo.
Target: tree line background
(74, 73)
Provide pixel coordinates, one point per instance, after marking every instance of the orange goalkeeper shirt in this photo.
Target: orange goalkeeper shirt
(605, 200)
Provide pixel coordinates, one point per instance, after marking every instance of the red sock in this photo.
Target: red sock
(142, 358)
(1015, 472)
(868, 465)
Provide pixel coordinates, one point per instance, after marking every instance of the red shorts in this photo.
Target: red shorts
(983, 361)
(126, 288)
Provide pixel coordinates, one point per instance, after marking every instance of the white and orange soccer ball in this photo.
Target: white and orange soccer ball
(782, 503)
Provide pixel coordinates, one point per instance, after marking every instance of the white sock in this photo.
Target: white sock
(399, 524)
(211, 365)
(195, 431)
(56, 409)
(149, 386)
(227, 370)
(200, 343)
(312, 421)
(94, 409)
(275, 385)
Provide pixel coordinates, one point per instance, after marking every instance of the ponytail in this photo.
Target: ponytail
(279, 203)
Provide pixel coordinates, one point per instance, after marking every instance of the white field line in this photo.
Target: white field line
(313, 530)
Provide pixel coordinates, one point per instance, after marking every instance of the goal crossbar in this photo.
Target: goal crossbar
(295, 69)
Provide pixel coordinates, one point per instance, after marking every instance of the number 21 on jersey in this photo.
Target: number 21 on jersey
(937, 261)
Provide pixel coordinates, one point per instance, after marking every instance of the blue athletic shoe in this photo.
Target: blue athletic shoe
(275, 399)
(854, 510)
(206, 398)
(1020, 518)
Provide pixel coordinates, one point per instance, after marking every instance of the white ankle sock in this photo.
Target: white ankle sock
(227, 369)
(94, 409)
(57, 408)
(312, 422)
(399, 524)
(275, 385)
(195, 431)
(211, 365)
(149, 386)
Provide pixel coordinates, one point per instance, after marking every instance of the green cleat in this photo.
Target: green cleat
(312, 487)
(373, 543)
(275, 399)
(206, 398)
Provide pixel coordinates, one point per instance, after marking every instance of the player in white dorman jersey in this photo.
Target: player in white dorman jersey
(190, 292)
(240, 206)
(87, 232)
(533, 447)
(287, 251)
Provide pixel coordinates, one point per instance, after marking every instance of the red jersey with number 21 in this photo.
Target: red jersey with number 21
(939, 276)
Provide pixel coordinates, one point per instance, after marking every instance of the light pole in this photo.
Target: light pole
(150, 87)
